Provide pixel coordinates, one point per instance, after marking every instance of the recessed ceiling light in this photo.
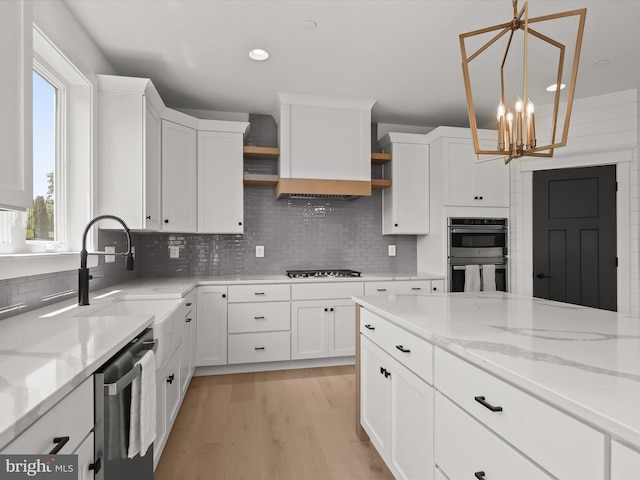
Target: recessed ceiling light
(601, 63)
(553, 87)
(310, 25)
(258, 54)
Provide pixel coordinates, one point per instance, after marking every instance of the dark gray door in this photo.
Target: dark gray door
(574, 236)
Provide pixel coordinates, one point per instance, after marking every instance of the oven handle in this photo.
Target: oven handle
(483, 229)
(500, 266)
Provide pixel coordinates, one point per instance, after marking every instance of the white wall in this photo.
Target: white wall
(604, 130)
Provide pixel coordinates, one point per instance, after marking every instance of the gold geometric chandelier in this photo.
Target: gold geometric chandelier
(516, 130)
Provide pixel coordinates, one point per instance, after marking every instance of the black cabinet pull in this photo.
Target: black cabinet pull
(480, 475)
(258, 293)
(480, 198)
(369, 327)
(60, 442)
(148, 217)
(484, 403)
(382, 370)
(326, 309)
(188, 304)
(224, 295)
(259, 348)
(395, 224)
(170, 378)
(381, 289)
(435, 288)
(387, 374)
(331, 309)
(188, 320)
(402, 349)
(258, 318)
(166, 221)
(475, 198)
(96, 466)
(416, 288)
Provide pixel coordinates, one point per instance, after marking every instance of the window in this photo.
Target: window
(48, 238)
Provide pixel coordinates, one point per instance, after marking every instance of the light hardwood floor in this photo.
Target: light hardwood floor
(292, 424)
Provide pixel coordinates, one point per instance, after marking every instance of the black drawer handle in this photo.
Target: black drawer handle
(385, 372)
(258, 318)
(381, 289)
(170, 378)
(148, 217)
(188, 320)
(259, 293)
(259, 348)
(480, 475)
(484, 403)
(402, 349)
(369, 327)
(60, 442)
(188, 304)
(416, 288)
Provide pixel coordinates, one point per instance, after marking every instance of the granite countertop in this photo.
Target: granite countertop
(46, 353)
(582, 360)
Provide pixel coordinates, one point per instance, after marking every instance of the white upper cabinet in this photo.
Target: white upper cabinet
(16, 58)
(220, 187)
(405, 205)
(467, 183)
(129, 164)
(179, 181)
(325, 137)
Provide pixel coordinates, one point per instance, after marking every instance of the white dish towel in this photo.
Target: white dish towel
(472, 278)
(142, 429)
(488, 278)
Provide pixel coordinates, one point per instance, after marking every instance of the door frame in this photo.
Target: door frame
(622, 159)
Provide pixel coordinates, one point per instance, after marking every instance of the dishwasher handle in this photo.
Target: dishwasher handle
(111, 389)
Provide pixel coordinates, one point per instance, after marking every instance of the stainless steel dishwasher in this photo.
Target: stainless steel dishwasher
(112, 408)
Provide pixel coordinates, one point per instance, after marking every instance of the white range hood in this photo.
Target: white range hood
(325, 146)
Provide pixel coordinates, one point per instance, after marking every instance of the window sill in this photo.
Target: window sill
(28, 264)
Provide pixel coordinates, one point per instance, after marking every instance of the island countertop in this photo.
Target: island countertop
(582, 360)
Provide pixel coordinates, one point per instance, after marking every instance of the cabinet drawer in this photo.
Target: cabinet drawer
(413, 352)
(400, 287)
(189, 301)
(527, 423)
(465, 448)
(259, 317)
(259, 347)
(259, 293)
(319, 291)
(71, 417)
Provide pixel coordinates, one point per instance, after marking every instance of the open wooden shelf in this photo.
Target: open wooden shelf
(380, 158)
(255, 179)
(380, 183)
(261, 152)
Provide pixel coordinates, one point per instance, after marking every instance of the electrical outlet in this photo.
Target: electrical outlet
(110, 258)
(174, 251)
(259, 251)
(392, 250)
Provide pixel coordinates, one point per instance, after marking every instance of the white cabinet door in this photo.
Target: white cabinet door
(179, 200)
(129, 162)
(220, 187)
(309, 330)
(212, 326)
(412, 424)
(16, 58)
(85, 454)
(468, 183)
(625, 463)
(185, 354)
(405, 204)
(342, 329)
(375, 394)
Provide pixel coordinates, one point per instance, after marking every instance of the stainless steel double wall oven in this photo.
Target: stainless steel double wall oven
(478, 241)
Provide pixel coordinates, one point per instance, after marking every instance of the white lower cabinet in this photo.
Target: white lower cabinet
(85, 452)
(397, 413)
(259, 347)
(168, 396)
(404, 287)
(625, 463)
(322, 328)
(465, 449)
(211, 305)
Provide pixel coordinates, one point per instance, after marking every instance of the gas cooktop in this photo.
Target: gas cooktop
(320, 273)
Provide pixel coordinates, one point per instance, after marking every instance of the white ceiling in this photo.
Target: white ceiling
(404, 54)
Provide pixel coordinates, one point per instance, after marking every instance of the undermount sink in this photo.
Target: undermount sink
(164, 324)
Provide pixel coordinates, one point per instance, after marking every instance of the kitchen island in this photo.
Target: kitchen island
(554, 384)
